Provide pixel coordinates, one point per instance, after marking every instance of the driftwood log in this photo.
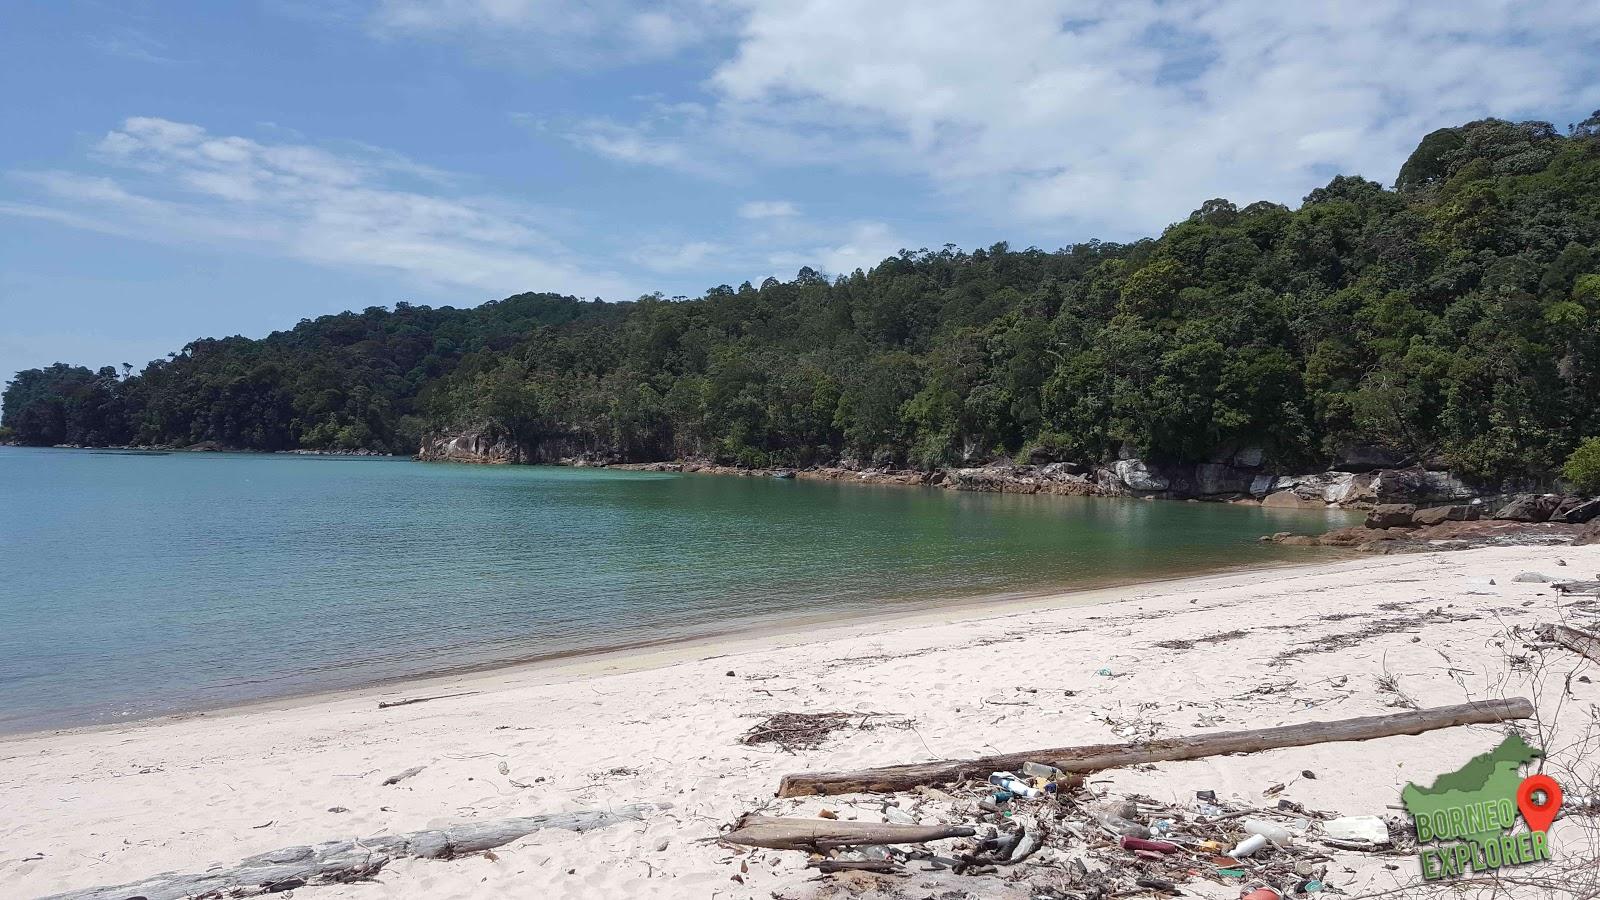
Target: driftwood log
(1577, 587)
(346, 861)
(822, 835)
(1580, 642)
(1095, 757)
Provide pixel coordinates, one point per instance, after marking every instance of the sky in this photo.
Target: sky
(175, 169)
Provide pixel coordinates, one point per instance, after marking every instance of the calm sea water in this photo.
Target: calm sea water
(136, 584)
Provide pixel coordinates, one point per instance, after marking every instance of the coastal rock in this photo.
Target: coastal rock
(1249, 458)
(1366, 457)
(1137, 475)
(1589, 535)
(1211, 479)
(1578, 513)
(472, 446)
(1530, 508)
(1532, 578)
(1391, 515)
(1321, 487)
(1433, 515)
(1290, 500)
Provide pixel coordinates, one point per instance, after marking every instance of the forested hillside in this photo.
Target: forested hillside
(1454, 319)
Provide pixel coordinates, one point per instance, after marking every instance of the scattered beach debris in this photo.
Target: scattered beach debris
(343, 862)
(1581, 642)
(1094, 757)
(988, 815)
(808, 731)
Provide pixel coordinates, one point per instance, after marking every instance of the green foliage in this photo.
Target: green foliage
(1455, 318)
(1582, 469)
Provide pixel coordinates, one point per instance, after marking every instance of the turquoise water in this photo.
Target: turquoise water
(136, 584)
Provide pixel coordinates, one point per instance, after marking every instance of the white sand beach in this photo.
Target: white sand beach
(113, 805)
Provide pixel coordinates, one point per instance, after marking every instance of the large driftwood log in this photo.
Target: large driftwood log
(1579, 642)
(822, 835)
(342, 861)
(1109, 756)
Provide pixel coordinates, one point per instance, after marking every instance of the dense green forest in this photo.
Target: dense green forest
(1454, 318)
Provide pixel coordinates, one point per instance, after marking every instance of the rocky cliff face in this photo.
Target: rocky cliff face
(1239, 476)
(490, 446)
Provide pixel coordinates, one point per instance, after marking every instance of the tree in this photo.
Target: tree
(1582, 468)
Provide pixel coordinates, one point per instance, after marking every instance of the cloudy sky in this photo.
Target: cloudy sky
(174, 169)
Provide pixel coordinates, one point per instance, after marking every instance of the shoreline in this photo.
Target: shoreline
(766, 633)
(1254, 648)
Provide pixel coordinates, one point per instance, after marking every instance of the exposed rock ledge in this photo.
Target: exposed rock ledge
(1240, 477)
(1525, 519)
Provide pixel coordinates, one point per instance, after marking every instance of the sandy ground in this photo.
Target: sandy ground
(102, 807)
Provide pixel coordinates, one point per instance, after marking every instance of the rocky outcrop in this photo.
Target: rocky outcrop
(1530, 508)
(1435, 515)
(1391, 515)
(1365, 489)
(1577, 511)
(472, 446)
(491, 446)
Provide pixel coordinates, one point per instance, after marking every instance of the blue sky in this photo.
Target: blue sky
(170, 170)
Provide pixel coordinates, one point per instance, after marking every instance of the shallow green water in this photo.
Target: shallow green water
(139, 584)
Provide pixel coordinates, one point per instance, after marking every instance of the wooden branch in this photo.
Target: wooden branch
(398, 777)
(1095, 757)
(345, 861)
(1577, 587)
(390, 704)
(822, 835)
(1579, 642)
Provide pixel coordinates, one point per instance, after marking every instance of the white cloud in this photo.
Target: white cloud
(768, 209)
(177, 183)
(1128, 113)
(687, 257)
(593, 34)
(865, 245)
(640, 145)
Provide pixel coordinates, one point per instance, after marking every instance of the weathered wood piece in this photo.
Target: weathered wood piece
(390, 704)
(398, 777)
(1577, 587)
(1095, 757)
(1579, 642)
(822, 835)
(345, 861)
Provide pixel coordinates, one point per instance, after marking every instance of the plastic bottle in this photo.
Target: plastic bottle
(1040, 770)
(1272, 831)
(1250, 846)
(1008, 782)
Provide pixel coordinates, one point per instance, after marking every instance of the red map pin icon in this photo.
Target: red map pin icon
(1539, 815)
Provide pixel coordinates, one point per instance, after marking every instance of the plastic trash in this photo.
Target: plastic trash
(898, 816)
(1009, 782)
(1105, 672)
(1029, 843)
(1250, 846)
(1129, 842)
(1118, 825)
(1040, 770)
(1207, 796)
(1261, 893)
(1367, 829)
(1272, 831)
